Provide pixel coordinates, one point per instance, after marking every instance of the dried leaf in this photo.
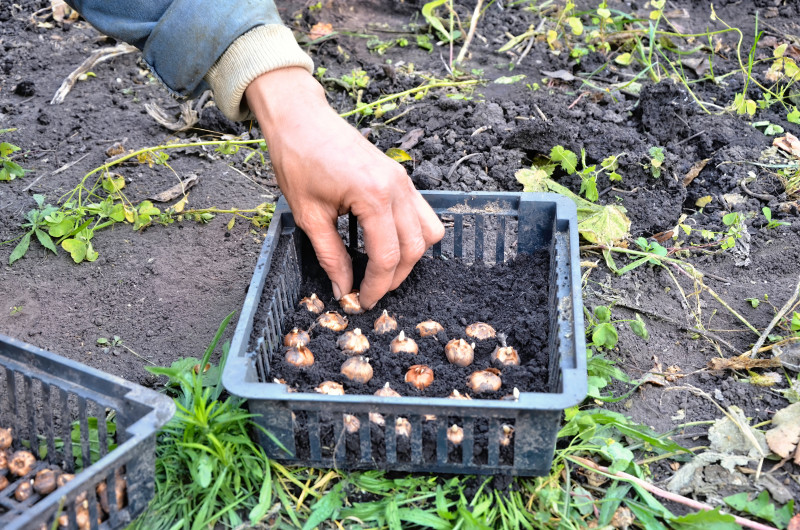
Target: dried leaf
(411, 139)
(695, 170)
(319, 30)
(698, 64)
(788, 143)
(177, 190)
(181, 204)
(742, 362)
(559, 74)
(231, 223)
(702, 201)
(784, 436)
(398, 155)
(767, 379)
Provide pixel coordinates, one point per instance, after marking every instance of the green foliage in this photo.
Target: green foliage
(568, 161)
(734, 222)
(86, 209)
(793, 116)
(429, 13)
(772, 223)
(762, 508)
(93, 438)
(9, 170)
(656, 161)
(705, 520)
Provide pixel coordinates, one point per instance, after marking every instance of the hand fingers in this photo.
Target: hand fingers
(418, 228)
(332, 255)
(383, 250)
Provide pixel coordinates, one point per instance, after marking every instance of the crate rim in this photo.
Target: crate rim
(234, 376)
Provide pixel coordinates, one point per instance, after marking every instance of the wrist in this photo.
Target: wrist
(277, 95)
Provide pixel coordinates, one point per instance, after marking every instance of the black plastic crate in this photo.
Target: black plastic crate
(489, 227)
(58, 410)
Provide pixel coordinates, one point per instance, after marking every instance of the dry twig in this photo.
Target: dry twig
(101, 55)
(785, 309)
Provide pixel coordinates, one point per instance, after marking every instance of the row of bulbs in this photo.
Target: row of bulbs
(355, 344)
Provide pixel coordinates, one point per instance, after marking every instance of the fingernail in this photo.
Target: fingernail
(337, 293)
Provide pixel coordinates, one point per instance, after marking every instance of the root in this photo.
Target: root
(94, 59)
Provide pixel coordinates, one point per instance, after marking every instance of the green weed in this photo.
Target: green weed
(656, 161)
(88, 208)
(9, 170)
(772, 223)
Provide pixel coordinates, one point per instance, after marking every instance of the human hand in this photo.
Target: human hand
(326, 168)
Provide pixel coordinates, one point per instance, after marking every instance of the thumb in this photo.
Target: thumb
(332, 256)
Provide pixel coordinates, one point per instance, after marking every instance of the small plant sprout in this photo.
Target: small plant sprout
(296, 337)
(487, 380)
(459, 352)
(419, 376)
(357, 369)
(455, 434)
(513, 396)
(403, 344)
(656, 161)
(330, 388)
(353, 342)
(772, 223)
(429, 328)
(332, 321)
(299, 356)
(9, 170)
(480, 331)
(387, 391)
(455, 394)
(385, 323)
(312, 303)
(350, 304)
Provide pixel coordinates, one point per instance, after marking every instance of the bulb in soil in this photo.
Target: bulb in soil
(460, 353)
(480, 331)
(429, 328)
(23, 491)
(377, 419)
(353, 342)
(351, 423)
(331, 388)
(45, 481)
(3, 482)
(357, 369)
(5, 439)
(485, 380)
(21, 463)
(387, 391)
(455, 434)
(403, 344)
(3, 460)
(296, 337)
(332, 321)
(455, 394)
(350, 304)
(419, 376)
(385, 323)
(402, 427)
(313, 304)
(513, 396)
(300, 356)
(119, 492)
(63, 478)
(505, 355)
(506, 435)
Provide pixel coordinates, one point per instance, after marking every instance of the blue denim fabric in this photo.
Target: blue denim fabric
(180, 39)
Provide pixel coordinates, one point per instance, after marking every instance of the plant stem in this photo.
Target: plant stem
(779, 315)
(473, 24)
(674, 497)
(408, 92)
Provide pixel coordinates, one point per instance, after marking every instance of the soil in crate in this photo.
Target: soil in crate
(512, 297)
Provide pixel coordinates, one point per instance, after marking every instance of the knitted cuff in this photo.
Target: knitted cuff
(260, 50)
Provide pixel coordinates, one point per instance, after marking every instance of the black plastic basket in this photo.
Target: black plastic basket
(489, 227)
(59, 410)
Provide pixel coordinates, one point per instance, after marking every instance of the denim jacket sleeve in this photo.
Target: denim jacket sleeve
(182, 39)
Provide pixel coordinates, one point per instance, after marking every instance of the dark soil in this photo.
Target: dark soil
(511, 297)
(165, 290)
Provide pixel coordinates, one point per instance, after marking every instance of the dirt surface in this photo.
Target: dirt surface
(164, 291)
